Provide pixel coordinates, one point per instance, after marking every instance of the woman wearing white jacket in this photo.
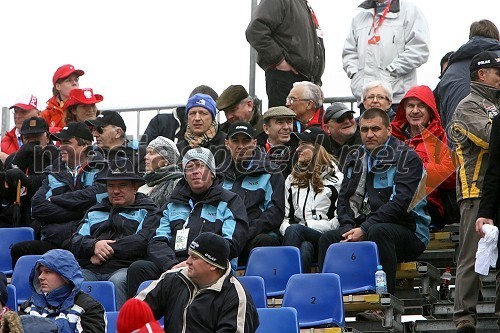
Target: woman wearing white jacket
(311, 192)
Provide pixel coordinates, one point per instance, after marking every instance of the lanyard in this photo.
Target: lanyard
(315, 20)
(381, 19)
(192, 209)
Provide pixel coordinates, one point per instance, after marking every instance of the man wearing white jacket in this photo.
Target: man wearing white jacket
(388, 40)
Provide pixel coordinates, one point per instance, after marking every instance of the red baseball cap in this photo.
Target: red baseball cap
(82, 96)
(26, 102)
(64, 71)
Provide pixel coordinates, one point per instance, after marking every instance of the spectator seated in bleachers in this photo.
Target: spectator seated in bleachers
(162, 171)
(65, 194)
(238, 105)
(418, 124)
(248, 172)
(26, 166)
(203, 296)
(378, 198)
(173, 125)
(198, 204)
(55, 280)
(64, 80)
(275, 140)
(25, 107)
(306, 100)
(109, 130)
(203, 130)
(311, 193)
(378, 94)
(115, 232)
(81, 105)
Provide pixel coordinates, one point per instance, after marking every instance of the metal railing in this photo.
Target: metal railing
(141, 116)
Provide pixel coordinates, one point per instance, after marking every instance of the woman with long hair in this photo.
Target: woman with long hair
(311, 192)
(81, 105)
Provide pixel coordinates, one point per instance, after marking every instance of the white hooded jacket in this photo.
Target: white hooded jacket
(403, 47)
(314, 210)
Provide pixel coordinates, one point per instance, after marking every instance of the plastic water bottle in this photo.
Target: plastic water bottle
(444, 289)
(380, 281)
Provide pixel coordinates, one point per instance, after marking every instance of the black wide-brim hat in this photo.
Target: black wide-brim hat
(120, 169)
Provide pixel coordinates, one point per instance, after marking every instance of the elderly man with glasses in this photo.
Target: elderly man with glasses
(306, 100)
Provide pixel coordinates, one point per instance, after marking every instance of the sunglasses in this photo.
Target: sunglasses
(342, 118)
(98, 129)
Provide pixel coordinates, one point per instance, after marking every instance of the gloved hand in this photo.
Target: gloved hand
(15, 174)
(25, 157)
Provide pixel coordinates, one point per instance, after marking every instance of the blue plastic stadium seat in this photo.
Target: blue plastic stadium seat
(103, 292)
(317, 299)
(282, 320)
(275, 264)
(111, 316)
(12, 302)
(20, 277)
(256, 288)
(355, 263)
(10, 236)
(144, 285)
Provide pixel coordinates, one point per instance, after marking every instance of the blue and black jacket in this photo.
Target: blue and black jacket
(72, 310)
(393, 179)
(60, 214)
(220, 211)
(261, 186)
(131, 226)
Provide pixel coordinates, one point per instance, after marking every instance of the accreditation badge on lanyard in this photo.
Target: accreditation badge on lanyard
(375, 39)
(319, 32)
(181, 237)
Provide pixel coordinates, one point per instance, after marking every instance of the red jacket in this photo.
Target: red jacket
(431, 145)
(54, 114)
(9, 142)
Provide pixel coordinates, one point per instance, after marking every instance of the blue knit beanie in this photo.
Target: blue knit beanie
(205, 101)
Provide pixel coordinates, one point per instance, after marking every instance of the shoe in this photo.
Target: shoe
(370, 315)
(466, 326)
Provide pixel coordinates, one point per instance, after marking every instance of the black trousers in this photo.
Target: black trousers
(395, 243)
(138, 272)
(278, 85)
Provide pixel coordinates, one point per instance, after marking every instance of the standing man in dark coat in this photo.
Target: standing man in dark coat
(455, 83)
(289, 44)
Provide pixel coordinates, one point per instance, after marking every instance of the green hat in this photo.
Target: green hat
(231, 96)
(279, 111)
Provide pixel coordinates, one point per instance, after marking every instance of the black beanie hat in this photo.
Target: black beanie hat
(212, 248)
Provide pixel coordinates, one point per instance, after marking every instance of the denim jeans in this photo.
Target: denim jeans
(119, 279)
(306, 239)
(395, 242)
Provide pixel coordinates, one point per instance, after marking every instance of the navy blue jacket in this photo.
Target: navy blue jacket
(455, 83)
(60, 222)
(70, 308)
(261, 186)
(391, 186)
(131, 226)
(221, 212)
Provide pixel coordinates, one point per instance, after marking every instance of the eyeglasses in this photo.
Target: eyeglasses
(342, 118)
(378, 97)
(291, 100)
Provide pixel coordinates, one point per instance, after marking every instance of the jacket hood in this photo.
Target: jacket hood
(473, 47)
(425, 94)
(64, 263)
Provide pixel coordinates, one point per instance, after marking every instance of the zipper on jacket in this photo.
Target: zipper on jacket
(192, 295)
